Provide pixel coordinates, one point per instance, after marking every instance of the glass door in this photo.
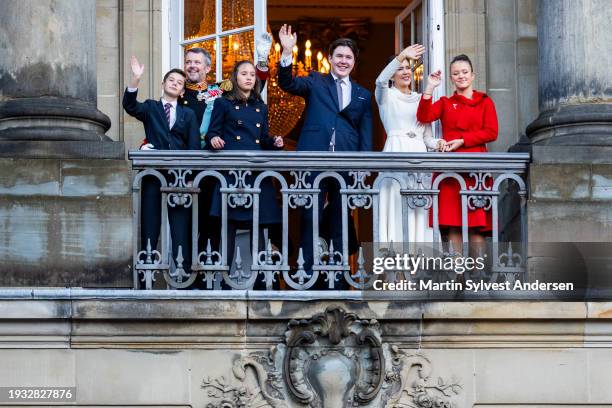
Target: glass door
(422, 22)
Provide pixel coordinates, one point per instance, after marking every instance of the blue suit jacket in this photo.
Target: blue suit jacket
(184, 135)
(353, 124)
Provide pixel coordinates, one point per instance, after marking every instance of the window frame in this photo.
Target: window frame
(433, 36)
(172, 12)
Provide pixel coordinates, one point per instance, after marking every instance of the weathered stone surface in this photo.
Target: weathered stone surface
(569, 221)
(29, 177)
(48, 77)
(81, 178)
(567, 182)
(535, 347)
(162, 377)
(573, 97)
(57, 241)
(207, 309)
(36, 368)
(539, 376)
(601, 182)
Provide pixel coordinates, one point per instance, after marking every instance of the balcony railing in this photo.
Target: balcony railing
(497, 183)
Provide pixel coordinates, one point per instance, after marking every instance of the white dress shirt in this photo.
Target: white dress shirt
(345, 83)
(164, 102)
(286, 60)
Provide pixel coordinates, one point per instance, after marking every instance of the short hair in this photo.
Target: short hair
(199, 50)
(175, 71)
(344, 42)
(464, 58)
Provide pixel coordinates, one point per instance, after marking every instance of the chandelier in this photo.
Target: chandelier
(285, 109)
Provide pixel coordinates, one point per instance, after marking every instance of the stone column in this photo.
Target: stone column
(48, 81)
(575, 78)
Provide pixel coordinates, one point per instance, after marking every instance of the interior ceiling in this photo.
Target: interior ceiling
(379, 11)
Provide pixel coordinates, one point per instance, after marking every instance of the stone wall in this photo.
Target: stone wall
(166, 349)
(65, 223)
(126, 28)
(500, 36)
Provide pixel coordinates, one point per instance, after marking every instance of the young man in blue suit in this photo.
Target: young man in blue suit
(338, 118)
(168, 126)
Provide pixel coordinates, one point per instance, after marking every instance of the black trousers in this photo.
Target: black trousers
(331, 189)
(150, 221)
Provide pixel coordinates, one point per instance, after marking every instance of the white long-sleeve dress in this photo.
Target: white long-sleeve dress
(404, 134)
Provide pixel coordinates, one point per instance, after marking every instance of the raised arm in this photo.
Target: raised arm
(382, 82)
(294, 85)
(130, 104)
(413, 52)
(262, 46)
(428, 111)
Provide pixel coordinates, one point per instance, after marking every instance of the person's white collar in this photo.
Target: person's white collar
(346, 79)
(164, 102)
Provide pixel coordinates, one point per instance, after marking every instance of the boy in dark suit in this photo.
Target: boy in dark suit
(168, 126)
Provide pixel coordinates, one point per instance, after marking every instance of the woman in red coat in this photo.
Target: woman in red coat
(469, 121)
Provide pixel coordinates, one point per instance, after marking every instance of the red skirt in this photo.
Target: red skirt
(449, 206)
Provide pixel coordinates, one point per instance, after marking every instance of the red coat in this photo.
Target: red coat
(475, 121)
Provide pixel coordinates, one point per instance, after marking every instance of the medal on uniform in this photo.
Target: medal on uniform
(201, 94)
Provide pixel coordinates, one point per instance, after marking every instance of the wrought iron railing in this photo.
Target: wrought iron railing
(298, 176)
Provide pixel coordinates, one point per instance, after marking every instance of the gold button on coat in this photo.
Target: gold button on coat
(236, 107)
(237, 137)
(257, 124)
(257, 141)
(256, 109)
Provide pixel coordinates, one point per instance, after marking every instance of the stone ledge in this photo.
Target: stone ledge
(62, 149)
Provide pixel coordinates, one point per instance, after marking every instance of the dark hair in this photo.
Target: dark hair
(175, 71)
(199, 50)
(464, 58)
(344, 42)
(235, 94)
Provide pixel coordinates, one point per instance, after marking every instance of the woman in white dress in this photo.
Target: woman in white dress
(397, 106)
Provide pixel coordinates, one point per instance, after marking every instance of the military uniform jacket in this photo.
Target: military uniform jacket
(243, 125)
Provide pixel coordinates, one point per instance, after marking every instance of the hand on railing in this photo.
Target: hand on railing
(217, 143)
(453, 145)
(148, 146)
(279, 142)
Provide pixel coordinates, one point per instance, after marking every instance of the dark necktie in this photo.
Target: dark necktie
(167, 108)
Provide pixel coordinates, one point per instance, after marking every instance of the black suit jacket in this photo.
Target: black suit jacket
(184, 135)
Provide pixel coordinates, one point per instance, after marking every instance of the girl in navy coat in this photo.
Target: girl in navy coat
(240, 122)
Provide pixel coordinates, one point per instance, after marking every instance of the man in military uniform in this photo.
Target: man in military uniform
(199, 96)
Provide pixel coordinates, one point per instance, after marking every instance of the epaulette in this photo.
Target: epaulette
(226, 85)
(194, 87)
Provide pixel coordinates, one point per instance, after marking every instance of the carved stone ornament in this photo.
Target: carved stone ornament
(332, 360)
